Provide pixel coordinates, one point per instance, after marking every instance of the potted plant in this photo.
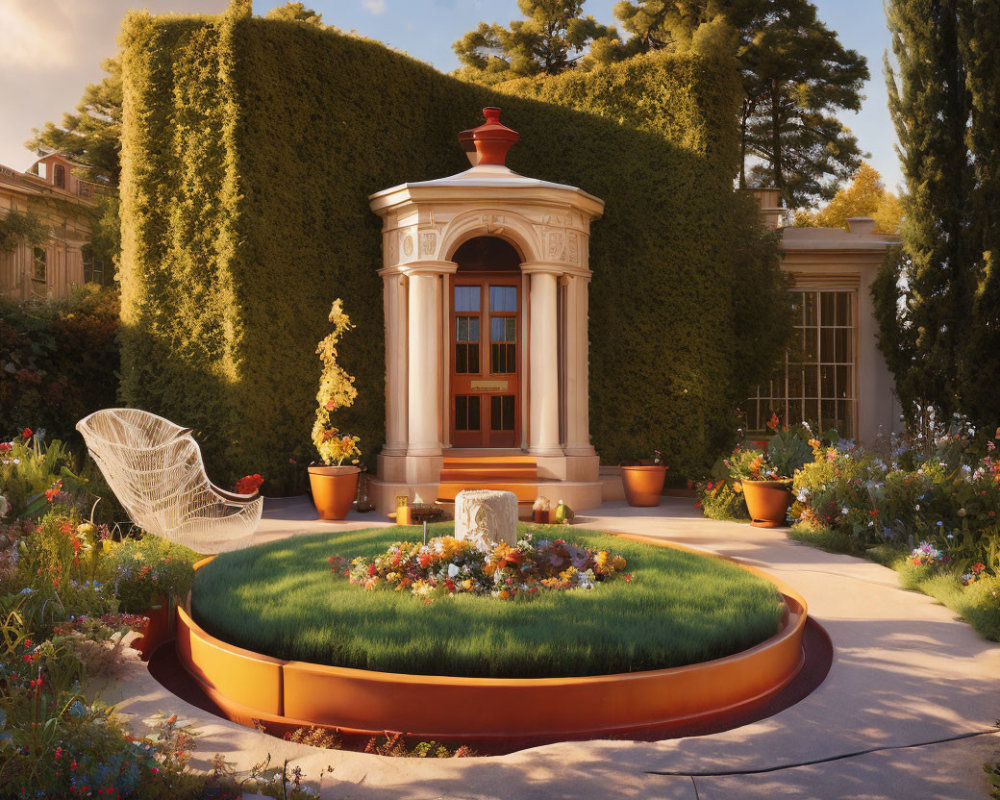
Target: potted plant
(148, 574)
(643, 481)
(765, 477)
(334, 484)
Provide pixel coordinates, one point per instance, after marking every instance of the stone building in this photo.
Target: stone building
(66, 206)
(834, 375)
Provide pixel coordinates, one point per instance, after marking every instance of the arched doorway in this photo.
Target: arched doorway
(486, 344)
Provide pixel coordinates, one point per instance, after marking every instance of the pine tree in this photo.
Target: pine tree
(91, 135)
(929, 103)
(553, 38)
(796, 77)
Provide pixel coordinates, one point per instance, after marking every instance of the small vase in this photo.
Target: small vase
(333, 490)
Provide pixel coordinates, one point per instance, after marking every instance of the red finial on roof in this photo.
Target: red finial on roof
(489, 143)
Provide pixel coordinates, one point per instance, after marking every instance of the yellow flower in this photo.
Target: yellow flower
(618, 563)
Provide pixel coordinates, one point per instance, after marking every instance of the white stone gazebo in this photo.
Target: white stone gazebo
(485, 279)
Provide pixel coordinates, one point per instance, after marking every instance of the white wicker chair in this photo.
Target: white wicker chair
(155, 469)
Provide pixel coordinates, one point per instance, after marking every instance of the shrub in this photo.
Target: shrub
(249, 148)
(58, 361)
(144, 571)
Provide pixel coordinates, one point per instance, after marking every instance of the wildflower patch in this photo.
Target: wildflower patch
(447, 566)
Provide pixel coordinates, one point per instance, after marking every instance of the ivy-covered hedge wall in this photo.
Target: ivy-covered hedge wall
(250, 147)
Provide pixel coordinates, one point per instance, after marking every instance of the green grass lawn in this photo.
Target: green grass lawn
(282, 599)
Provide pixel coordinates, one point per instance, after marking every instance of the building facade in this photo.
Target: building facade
(834, 374)
(65, 205)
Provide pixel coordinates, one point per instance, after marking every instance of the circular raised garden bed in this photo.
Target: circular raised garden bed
(691, 637)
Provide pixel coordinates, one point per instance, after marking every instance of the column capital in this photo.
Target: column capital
(426, 267)
(554, 268)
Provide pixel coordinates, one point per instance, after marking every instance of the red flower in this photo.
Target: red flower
(248, 484)
(774, 422)
(5, 447)
(26, 433)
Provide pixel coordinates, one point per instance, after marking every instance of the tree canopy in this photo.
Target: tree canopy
(296, 12)
(797, 77)
(865, 196)
(92, 135)
(553, 37)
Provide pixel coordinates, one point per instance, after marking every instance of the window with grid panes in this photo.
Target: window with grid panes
(819, 383)
(467, 330)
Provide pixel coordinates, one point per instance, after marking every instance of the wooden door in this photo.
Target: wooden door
(485, 360)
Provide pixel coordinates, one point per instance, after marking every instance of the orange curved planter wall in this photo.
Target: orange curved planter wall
(248, 685)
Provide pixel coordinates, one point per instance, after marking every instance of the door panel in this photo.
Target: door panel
(485, 361)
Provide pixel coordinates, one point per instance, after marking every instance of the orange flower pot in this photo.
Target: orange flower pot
(156, 630)
(767, 502)
(643, 484)
(333, 490)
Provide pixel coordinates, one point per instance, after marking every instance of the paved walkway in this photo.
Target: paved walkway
(907, 676)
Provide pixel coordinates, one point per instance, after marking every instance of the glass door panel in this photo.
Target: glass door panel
(485, 348)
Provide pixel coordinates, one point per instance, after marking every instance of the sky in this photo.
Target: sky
(50, 49)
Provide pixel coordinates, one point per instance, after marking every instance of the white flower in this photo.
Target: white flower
(453, 570)
(844, 511)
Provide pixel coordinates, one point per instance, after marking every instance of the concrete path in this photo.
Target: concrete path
(907, 677)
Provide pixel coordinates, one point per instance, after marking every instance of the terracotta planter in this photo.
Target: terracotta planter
(767, 502)
(156, 630)
(251, 688)
(333, 490)
(643, 484)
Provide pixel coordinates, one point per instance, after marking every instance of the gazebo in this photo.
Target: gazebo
(485, 289)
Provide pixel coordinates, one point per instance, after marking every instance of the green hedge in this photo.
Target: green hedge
(250, 147)
(58, 362)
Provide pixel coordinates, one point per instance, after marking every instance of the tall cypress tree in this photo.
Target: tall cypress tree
(929, 104)
(980, 369)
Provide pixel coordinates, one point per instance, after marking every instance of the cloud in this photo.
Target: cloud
(37, 38)
(376, 7)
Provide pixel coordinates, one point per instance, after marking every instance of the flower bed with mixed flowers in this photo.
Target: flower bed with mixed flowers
(447, 566)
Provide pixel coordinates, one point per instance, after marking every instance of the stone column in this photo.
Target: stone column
(396, 368)
(543, 399)
(577, 368)
(424, 381)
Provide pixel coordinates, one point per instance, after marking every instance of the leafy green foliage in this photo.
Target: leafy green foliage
(240, 232)
(937, 300)
(796, 76)
(703, 608)
(16, 228)
(92, 135)
(550, 40)
(58, 361)
(146, 571)
(296, 12)
(866, 196)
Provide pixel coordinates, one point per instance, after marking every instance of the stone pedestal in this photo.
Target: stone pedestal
(485, 517)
